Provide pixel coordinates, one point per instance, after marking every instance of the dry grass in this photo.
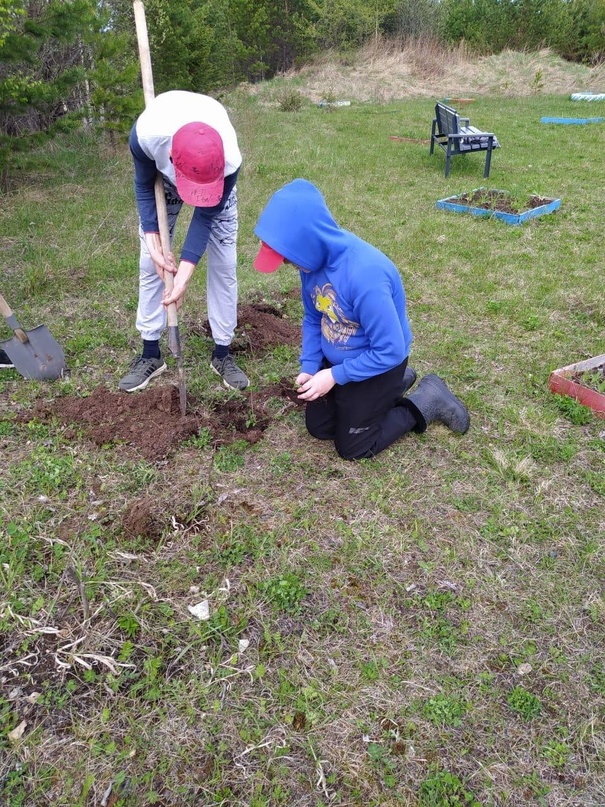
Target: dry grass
(385, 71)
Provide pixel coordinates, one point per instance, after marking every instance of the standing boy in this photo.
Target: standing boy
(356, 336)
(190, 140)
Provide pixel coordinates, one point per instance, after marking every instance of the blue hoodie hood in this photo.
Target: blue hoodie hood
(297, 223)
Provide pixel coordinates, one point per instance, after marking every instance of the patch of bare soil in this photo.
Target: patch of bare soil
(501, 201)
(150, 420)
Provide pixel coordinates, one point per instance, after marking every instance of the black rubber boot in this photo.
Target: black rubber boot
(436, 404)
(409, 379)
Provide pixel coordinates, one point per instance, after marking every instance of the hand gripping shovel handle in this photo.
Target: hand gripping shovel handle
(174, 339)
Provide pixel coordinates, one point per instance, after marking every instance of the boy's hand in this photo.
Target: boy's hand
(315, 386)
(162, 264)
(300, 380)
(181, 281)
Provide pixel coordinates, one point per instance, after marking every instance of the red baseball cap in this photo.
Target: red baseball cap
(198, 157)
(267, 260)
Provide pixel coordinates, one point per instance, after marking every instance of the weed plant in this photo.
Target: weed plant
(425, 628)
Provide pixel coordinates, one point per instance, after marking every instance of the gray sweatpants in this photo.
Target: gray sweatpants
(221, 277)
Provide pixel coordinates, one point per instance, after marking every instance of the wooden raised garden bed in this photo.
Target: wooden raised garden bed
(500, 205)
(584, 381)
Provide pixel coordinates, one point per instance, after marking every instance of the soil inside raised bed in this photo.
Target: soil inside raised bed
(501, 201)
(593, 379)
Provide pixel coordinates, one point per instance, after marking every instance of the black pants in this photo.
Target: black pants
(363, 417)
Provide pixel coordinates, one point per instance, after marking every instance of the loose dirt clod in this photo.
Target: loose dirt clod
(141, 521)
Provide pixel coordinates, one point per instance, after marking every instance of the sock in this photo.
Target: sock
(220, 351)
(151, 349)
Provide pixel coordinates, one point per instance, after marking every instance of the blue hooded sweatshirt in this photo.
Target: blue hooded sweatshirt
(353, 297)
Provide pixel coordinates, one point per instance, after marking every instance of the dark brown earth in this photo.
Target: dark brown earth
(140, 519)
(501, 201)
(150, 421)
(262, 327)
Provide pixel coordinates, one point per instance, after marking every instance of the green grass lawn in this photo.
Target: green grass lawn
(425, 628)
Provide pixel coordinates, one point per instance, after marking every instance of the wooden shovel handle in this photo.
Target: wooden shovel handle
(149, 95)
(11, 321)
(5, 309)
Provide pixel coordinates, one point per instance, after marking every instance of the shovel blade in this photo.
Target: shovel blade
(40, 358)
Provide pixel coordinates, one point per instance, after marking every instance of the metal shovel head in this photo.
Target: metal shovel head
(40, 358)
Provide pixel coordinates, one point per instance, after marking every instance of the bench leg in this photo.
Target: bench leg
(448, 158)
(488, 161)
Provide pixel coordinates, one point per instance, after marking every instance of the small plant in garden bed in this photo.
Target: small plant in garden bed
(593, 379)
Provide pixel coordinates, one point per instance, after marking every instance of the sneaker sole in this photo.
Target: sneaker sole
(225, 382)
(7, 366)
(155, 374)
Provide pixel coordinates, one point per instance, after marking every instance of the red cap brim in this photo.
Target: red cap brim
(193, 193)
(267, 260)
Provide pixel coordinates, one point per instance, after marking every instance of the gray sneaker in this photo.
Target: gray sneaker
(140, 373)
(230, 373)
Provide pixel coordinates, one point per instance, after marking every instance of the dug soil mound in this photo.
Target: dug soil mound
(263, 327)
(150, 421)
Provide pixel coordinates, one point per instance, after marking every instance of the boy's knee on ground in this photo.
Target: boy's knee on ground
(320, 431)
(352, 449)
(320, 420)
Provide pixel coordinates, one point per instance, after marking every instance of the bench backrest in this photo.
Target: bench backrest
(448, 120)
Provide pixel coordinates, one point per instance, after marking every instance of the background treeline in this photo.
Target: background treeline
(66, 62)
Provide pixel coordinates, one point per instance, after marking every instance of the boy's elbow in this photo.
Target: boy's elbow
(397, 355)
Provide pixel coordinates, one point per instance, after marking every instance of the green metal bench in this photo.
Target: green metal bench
(455, 135)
